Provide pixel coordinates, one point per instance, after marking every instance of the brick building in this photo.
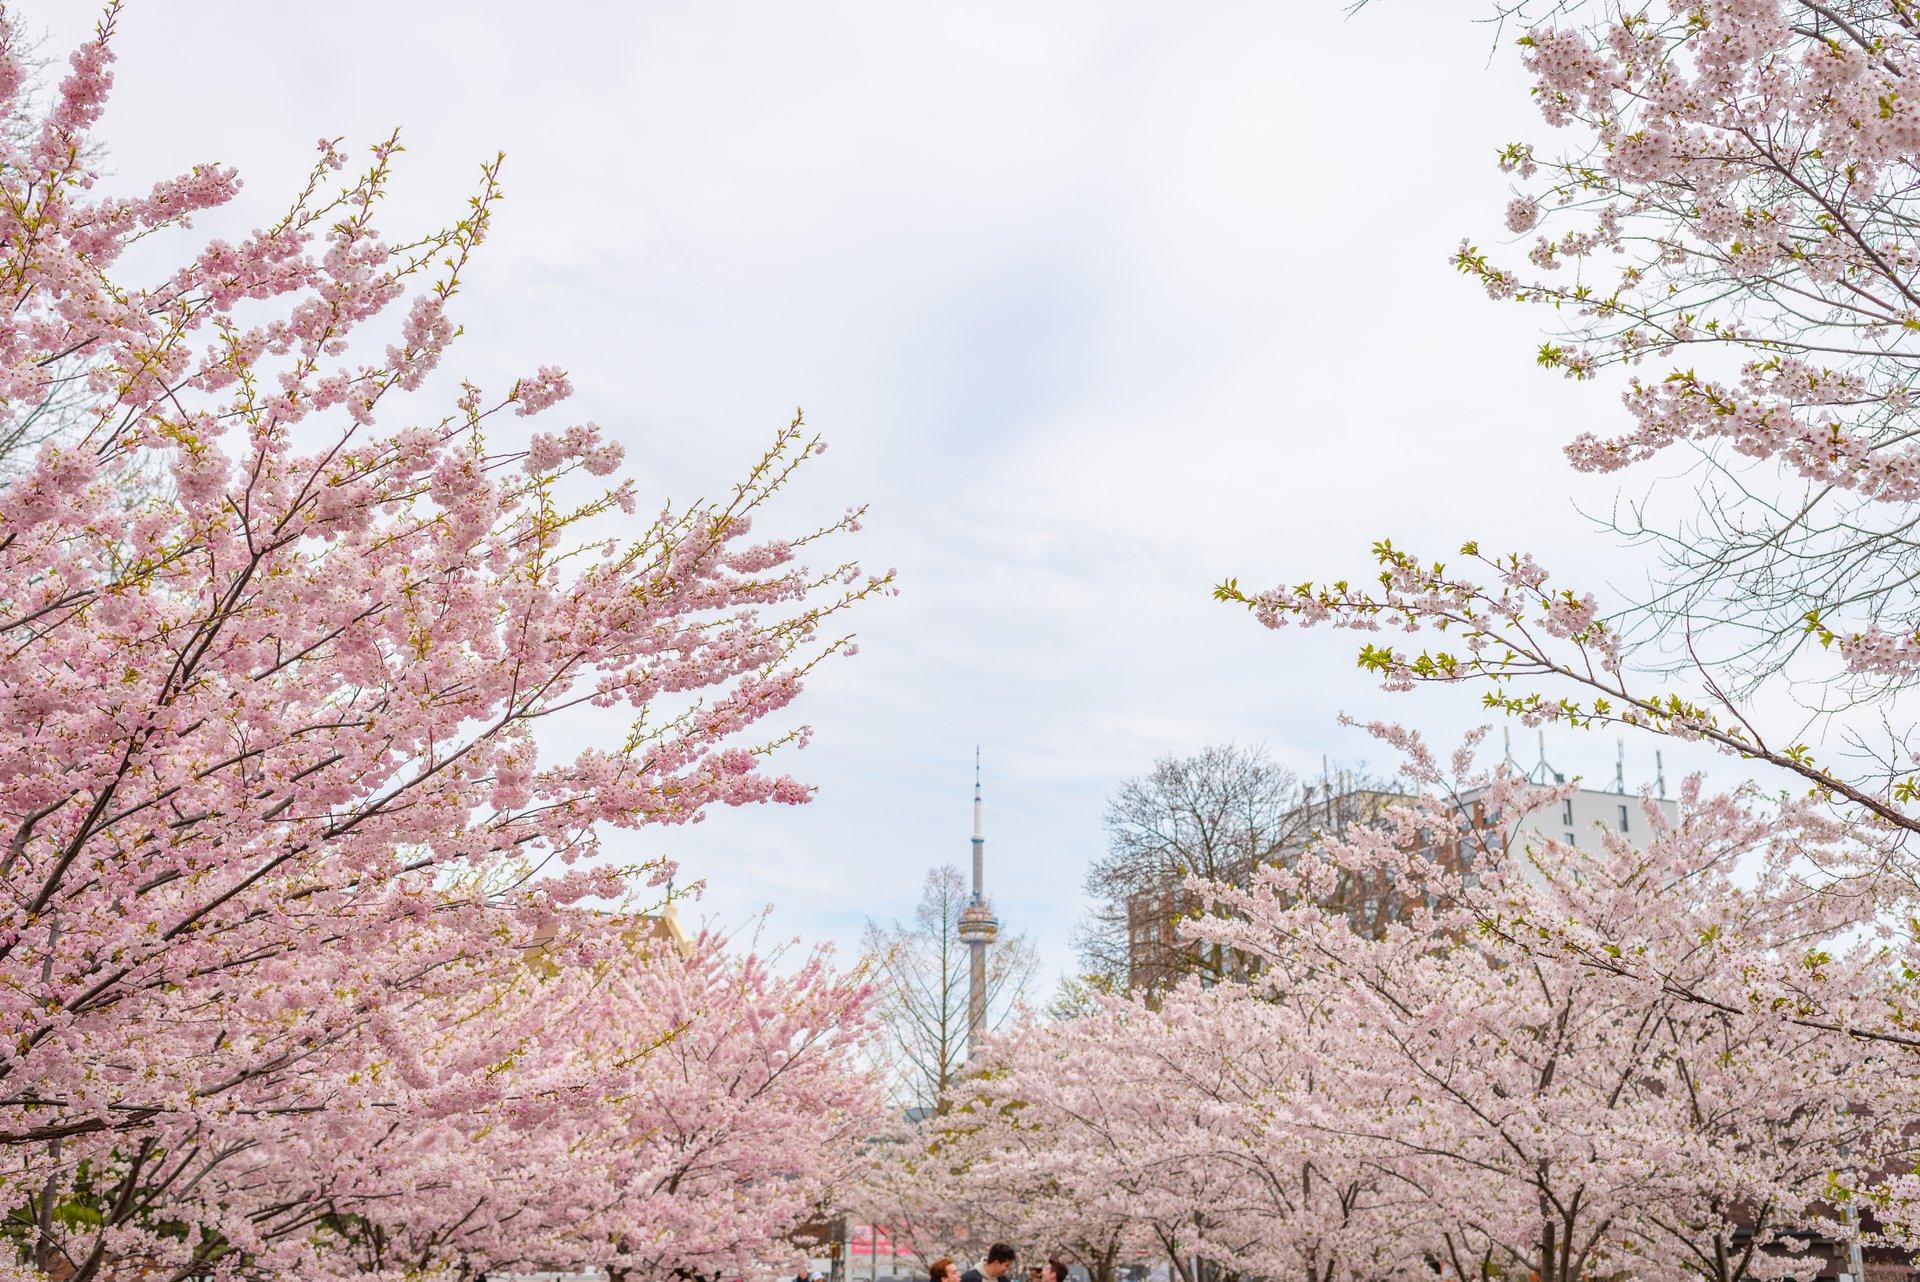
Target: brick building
(1158, 958)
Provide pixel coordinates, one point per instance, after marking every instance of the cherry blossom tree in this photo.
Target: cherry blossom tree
(627, 1108)
(298, 704)
(1725, 228)
(276, 808)
(749, 1118)
(912, 1183)
(1023, 1176)
(1578, 1060)
(1254, 1077)
(1175, 1129)
(1733, 203)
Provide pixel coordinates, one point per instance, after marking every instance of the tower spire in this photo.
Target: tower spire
(979, 832)
(977, 928)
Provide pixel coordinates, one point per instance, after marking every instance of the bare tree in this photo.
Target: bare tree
(1076, 996)
(1216, 814)
(923, 977)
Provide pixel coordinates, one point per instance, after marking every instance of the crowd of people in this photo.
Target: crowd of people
(1001, 1260)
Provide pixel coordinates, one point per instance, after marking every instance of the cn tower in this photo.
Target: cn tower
(977, 929)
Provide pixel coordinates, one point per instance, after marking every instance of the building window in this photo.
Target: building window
(1571, 841)
(1566, 812)
(1623, 817)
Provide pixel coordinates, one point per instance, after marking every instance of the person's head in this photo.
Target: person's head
(944, 1270)
(1054, 1271)
(1000, 1258)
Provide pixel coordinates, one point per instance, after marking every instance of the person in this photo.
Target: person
(943, 1270)
(1000, 1258)
(1054, 1271)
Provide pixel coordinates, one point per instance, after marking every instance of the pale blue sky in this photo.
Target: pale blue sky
(1097, 302)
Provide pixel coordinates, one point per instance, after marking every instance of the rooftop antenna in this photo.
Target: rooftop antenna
(1544, 773)
(1659, 774)
(1506, 740)
(1620, 766)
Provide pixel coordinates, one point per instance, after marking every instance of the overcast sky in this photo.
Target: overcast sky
(1096, 302)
